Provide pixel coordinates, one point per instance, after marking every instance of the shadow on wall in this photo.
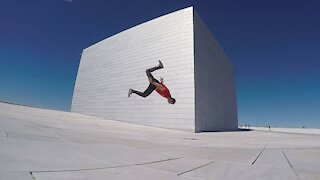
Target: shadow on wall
(239, 129)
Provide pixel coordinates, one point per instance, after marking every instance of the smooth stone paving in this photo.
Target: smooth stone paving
(39, 144)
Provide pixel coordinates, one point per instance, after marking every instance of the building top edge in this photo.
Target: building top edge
(189, 8)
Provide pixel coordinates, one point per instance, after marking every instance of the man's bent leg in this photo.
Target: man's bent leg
(148, 72)
(147, 92)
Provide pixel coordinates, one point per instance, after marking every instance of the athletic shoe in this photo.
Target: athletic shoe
(130, 92)
(160, 64)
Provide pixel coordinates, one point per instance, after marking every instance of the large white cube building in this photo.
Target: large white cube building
(196, 70)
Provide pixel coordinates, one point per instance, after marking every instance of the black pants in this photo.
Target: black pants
(151, 87)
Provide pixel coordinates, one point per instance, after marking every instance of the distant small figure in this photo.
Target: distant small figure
(269, 128)
(155, 85)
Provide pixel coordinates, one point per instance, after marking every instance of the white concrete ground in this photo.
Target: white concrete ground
(288, 130)
(37, 144)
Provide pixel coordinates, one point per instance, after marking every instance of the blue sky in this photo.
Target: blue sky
(274, 46)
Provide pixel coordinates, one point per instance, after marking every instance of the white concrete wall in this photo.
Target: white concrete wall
(216, 108)
(197, 72)
(109, 68)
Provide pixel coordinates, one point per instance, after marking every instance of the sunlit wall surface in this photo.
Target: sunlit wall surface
(110, 67)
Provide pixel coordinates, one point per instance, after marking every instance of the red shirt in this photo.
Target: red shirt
(165, 92)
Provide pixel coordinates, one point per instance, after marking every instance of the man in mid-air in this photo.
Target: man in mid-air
(155, 85)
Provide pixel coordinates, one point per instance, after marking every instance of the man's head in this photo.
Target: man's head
(171, 100)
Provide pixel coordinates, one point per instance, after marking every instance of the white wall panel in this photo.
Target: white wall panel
(109, 68)
(216, 108)
(196, 71)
